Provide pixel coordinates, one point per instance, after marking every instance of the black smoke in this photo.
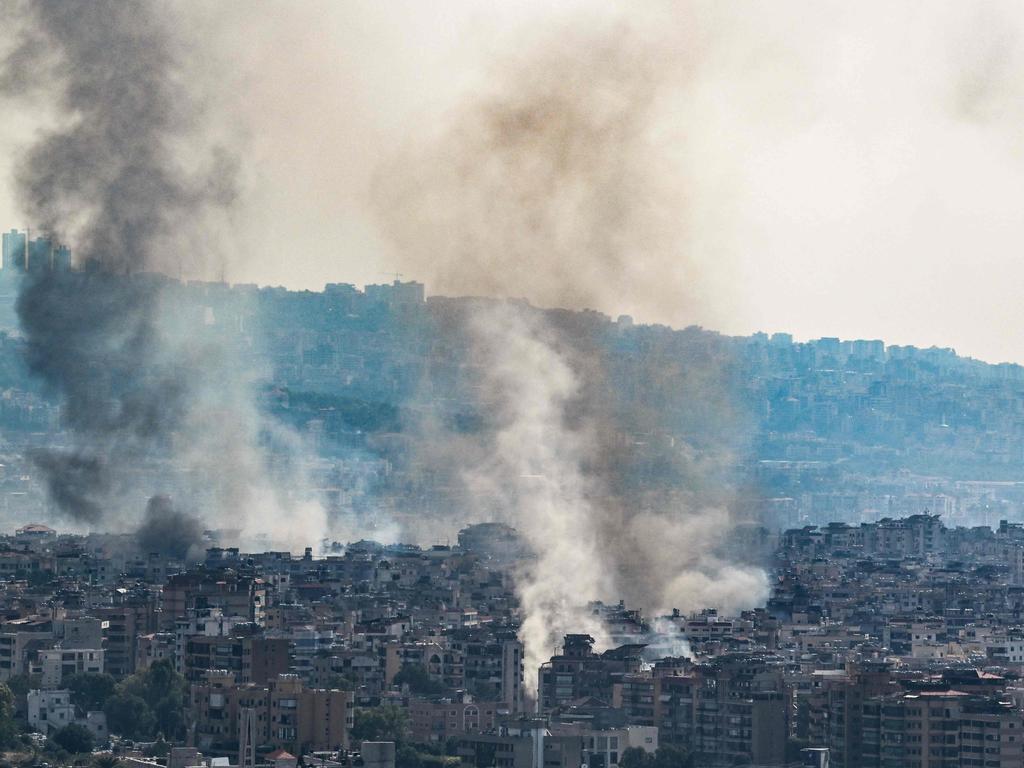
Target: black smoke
(167, 531)
(111, 179)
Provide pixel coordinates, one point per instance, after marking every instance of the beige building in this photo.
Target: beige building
(287, 714)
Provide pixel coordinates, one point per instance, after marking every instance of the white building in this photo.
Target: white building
(52, 710)
(1005, 649)
(59, 663)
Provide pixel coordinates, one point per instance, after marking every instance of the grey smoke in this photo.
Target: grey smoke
(553, 184)
(107, 181)
(130, 178)
(560, 160)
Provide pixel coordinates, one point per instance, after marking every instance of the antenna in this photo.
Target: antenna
(395, 275)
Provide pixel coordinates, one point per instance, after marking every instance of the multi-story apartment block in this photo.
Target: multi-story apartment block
(57, 664)
(286, 713)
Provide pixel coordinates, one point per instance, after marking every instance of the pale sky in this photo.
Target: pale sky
(830, 168)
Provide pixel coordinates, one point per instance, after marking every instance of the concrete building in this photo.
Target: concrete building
(236, 595)
(523, 744)
(286, 714)
(579, 672)
(941, 729)
(52, 710)
(57, 664)
(436, 721)
(14, 250)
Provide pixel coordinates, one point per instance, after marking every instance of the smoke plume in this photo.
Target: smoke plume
(168, 531)
(555, 184)
(531, 476)
(562, 163)
(132, 181)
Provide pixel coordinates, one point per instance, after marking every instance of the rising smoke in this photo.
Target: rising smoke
(556, 184)
(128, 177)
(168, 531)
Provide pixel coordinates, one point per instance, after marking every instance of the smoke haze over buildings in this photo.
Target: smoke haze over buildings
(843, 164)
(709, 162)
(129, 177)
(552, 183)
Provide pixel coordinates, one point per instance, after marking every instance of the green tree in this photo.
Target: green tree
(407, 757)
(418, 679)
(169, 712)
(8, 727)
(343, 682)
(159, 748)
(73, 738)
(385, 723)
(106, 761)
(158, 698)
(669, 756)
(90, 690)
(128, 715)
(636, 757)
(20, 685)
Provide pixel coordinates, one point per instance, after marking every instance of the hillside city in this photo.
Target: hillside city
(819, 431)
(879, 486)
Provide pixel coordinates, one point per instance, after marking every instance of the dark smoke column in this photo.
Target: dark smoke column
(128, 179)
(107, 181)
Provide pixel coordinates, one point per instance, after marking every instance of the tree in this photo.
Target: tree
(636, 757)
(343, 682)
(407, 757)
(386, 723)
(106, 761)
(90, 690)
(156, 683)
(669, 756)
(20, 685)
(73, 738)
(159, 748)
(148, 702)
(8, 728)
(418, 679)
(129, 716)
(170, 715)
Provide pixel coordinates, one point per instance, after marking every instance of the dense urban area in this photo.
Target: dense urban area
(894, 643)
(879, 486)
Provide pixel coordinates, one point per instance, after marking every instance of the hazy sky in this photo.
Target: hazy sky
(850, 169)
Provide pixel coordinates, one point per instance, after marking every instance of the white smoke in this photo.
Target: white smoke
(532, 478)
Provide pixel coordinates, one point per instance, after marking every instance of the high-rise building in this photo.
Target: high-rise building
(14, 250)
(61, 259)
(40, 255)
(941, 729)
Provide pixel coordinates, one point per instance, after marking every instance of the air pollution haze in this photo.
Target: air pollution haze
(129, 178)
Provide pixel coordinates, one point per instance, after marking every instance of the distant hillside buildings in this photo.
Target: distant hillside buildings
(21, 254)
